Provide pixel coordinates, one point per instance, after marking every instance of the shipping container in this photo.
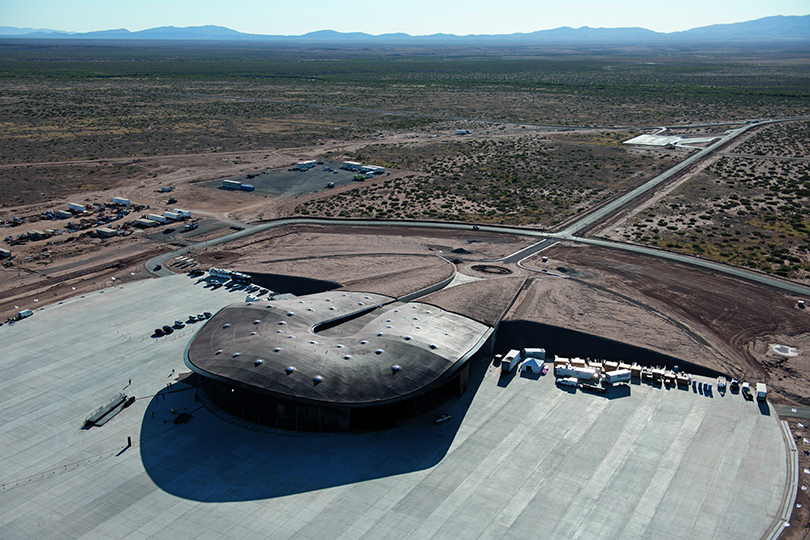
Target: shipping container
(511, 360)
(584, 373)
(540, 354)
(617, 376)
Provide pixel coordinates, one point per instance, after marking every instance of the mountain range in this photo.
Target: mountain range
(769, 29)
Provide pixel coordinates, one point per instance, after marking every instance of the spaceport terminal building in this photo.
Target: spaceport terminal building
(333, 361)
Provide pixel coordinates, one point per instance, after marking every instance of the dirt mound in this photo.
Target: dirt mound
(216, 258)
(491, 269)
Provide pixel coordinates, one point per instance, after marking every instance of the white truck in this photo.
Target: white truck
(617, 376)
(762, 391)
(582, 373)
(510, 361)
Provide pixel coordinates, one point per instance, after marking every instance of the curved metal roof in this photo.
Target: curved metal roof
(345, 348)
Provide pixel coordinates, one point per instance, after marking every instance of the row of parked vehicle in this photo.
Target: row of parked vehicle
(167, 329)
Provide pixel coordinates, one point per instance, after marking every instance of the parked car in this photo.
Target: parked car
(159, 332)
(168, 329)
(196, 272)
(169, 230)
(441, 418)
(207, 314)
(200, 317)
(192, 318)
(179, 324)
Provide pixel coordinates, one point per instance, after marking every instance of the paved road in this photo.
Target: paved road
(546, 239)
(613, 207)
(791, 411)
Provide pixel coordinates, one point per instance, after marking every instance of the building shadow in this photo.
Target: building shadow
(223, 460)
(618, 391)
(531, 375)
(764, 408)
(505, 377)
(299, 286)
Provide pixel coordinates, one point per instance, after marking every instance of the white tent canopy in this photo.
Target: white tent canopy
(532, 365)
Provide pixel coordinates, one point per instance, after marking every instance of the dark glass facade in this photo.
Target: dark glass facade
(277, 413)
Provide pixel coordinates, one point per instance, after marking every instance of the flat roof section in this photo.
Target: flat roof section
(400, 351)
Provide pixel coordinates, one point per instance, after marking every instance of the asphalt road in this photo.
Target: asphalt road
(546, 239)
(791, 411)
(614, 206)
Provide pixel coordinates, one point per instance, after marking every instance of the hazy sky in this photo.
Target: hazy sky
(416, 17)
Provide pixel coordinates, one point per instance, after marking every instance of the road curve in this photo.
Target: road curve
(546, 239)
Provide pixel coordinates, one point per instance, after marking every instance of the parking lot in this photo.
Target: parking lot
(292, 183)
(519, 457)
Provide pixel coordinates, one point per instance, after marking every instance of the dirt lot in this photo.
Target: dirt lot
(718, 322)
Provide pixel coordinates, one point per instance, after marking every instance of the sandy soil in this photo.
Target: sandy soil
(718, 322)
(714, 321)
